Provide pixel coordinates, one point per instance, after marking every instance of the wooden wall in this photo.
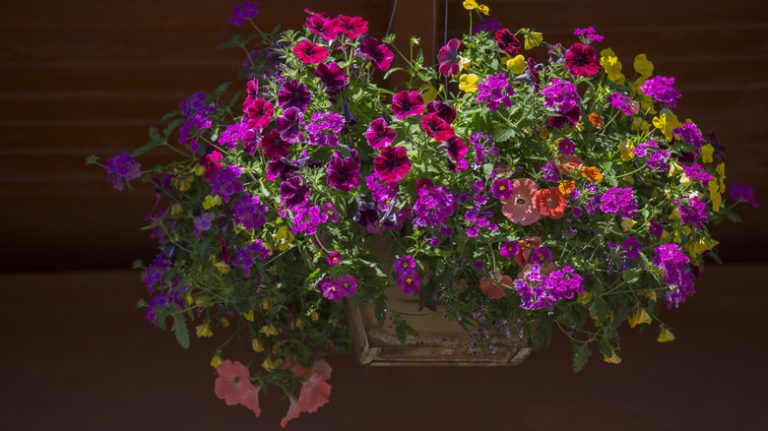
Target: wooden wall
(89, 76)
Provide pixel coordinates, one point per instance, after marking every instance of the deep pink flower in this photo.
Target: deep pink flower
(378, 53)
(407, 104)
(332, 76)
(308, 52)
(457, 151)
(442, 109)
(436, 128)
(321, 24)
(378, 134)
(273, 147)
(351, 26)
(501, 188)
(315, 390)
(582, 60)
(333, 258)
(392, 164)
(448, 56)
(508, 42)
(294, 94)
(234, 386)
(520, 208)
(258, 113)
(343, 172)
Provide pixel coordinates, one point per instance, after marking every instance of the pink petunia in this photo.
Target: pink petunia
(351, 26)
(315, 390)
(234, 386)
(448, 56)
(436, 128)
(407, 104)
(520, 207)
(310, 53)
(379, 54)
(581, 60)
(378, 134)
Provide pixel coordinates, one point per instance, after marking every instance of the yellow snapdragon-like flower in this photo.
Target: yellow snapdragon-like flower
(625, 151)
(464, 63)
(641, 317)
(643, 66)
(257, 345)
(720, 169)
(707, 153)
(613, 359)
(211, 201)
(627, 224)
(204, 331)
(468, 82)
(665, 336)
(474, 5)
(265, 304)
(269, 330)
(516, 64)
(666, 122)
(533, 39)
(249, 316)
(612, 67)
(176, 209)
(269, 364)
(714, 194)
(428, 93)
(698, 247)
(216, 360)
(283, 238)
(183, 182)
(198, 170)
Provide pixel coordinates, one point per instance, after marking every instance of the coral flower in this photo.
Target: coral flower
(315, 390)
(379, 54)
(519, 208)
(508, 42)
(550, 203)
(392, 164)
(527, 246)
(581, 60)
(493, 288)
(436, 127)
(592, 173)
(234, 386)
(448, 56)
(310, 53)
(406, 104)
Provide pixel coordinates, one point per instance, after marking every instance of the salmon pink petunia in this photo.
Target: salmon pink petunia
(550, 203)
(519, 208)
(234, 386)
(493, 288)
(527, 246)
(315, 390)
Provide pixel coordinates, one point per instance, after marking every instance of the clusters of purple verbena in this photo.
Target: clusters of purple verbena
(539, 290)
(619, 200)
(661, 89)
(495, 91)
(678, 276)
(121, 169)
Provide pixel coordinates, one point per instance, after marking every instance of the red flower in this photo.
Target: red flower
(308, 52)
(436, 127)
(234, 386)
(351, 26)
(320, 24)
(457, 151)
(582, 60)
(258, 113)
(507, 42)
(273, 147)
(392, 164)
(442, 109)
(493, 288)
(550, 203)
(527, 246)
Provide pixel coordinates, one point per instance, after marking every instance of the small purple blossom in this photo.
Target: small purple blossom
(494, 91)
(744, 193)
(677, 275)
(541, 291)
(696, 172)
(249, 212)
(588, 34)
(690, 134)
(233, 133)
(433, 206)
(324, 127)
(243, 12)
(632, 248)
(566, 146)
(623, 103)
(203, 223)
(619, 200)
(121, 169)
(549, 172)
(333, 258)
(225, 182)
(693, 211)
(509, 249)
(501, 188)
(661, 89)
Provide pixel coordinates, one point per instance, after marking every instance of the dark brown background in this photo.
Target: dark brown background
(80, 77)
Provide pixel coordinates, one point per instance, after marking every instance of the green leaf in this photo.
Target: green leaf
(170, 127)
(222, 88)
(155, 139)
(503, 135)
(180, 330)
(581, 353)
(232, 43)
(732, 216)
(91, 160)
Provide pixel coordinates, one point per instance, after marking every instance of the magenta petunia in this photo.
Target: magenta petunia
(509, 249)
(436, 128)
(351, 26)
(442, 109)
(566, 146)
(343, 172)
(290, 124)
(379, 54)
(448, 56)
(332, 76)
(321, 24)
(294, 192)
(581, 60)
(379, 135)
(294, 94)
(258, 113)
(333, 258)
(392, 164)
(273, 147)
(508, 42)
(407, 104)
(457, 151)
(310, 53)
(501, 188)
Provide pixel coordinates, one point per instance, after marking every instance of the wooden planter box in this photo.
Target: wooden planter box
(441, 341)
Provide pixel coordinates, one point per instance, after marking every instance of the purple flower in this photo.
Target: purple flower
(549, 172)
(225, 182)
(332, 76)
(494, 91)
(366, 215)
(289, 125)
(501, 188)
(448, 56)
(336, 290)
(656, 229)
(407, 104)
(632, 248)
(306, 219)
(690, 134)
(324, 127)
(378, 134)
(392, 164)
(404, 265)
(202, 223)
(343, 172)
(294, 192)
(509, 249)
(693, 211)
(433, 205)
(154, 272)
(677, 275)
(695, 172)
(347, 284)
(619, 200)
(232, 134)
(662, 90)
(294, 94)
(410, 283)
(489, 25)
(379, 54)
(566, 146)
(329, 213)
(243, 12)
(193, 104)
(121, 169)
(281, 168)
(588, 34)
(383, 193)
(436, 128)
(442, 110)
(244, 257)
(562, 97)
(541, 255)
(273, 147)
(539, 291)
(249, 212)
(623, 103)
(333, 258)
(744, 193)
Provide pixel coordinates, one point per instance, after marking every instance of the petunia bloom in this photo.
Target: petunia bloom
(310, 53)
(392, 164)
(457, 151)
(508, 42)
(351, 26)
(550, 203)
(448, 56)
(332, 76)
(273, 147)
(234, 386)
(407, 104)
(378, 134)
(294, 94)
(436, 128)
(379, 54)
(520, 208)
(581, 60)
(343, 172)
(315, 390)
(442, 110)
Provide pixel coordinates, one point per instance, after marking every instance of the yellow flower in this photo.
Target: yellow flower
(183, 183)
(607, 52)
(612, 67)
(264, 304)
(257, 345)
(220, 266)
(639, 318)
(203, 331)
(665, 336)
(697, 247)
(533, 39)
(714, 194)
(627, 224)
(566, 186)
(625, 151)
(248, 316)
(474, 5)
(468, 83)
(211, 201)
(315, 316)
(176, 209)
(464, 63)
(283, 238)
(516, 64)
(613, 359)
(640, 124)
(224, 323)
(269, 364)
(592, 173)
(643, 66)
(720, 169)
(651, 294)
(269, 330)
(198, 170)
(707, 151)
(428, 93)
(584, 298)
(666, 122)
(216, 360)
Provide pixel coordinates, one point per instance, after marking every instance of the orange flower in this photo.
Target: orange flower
(566, 186)
(492, 288)
(526, 247)
(596, 120)
(569, 163)
(550, 203)
(592, 173)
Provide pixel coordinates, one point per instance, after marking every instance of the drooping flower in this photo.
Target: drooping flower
(243, 12)
(662, 90)
(588, 34)
(442, 110)
(379, 135)
(377, 53)
(743, 193)
(294, 192)
(520, 207)
(501, 188)
(234, 386)
(550, 203)
(343, 172)
(448, 56)
(581, 60)
(309, 53)
(294, 94)
(351, 26)
(289, 125)
(121, 169)
(436, 128)
(315, 390)
(508, 42)
(693, 211)
(623, 103)
(273, 147)
(332, 76)
(619, 200)
(494, 91)
(407, 104)
(632, 247)
(392, 164)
